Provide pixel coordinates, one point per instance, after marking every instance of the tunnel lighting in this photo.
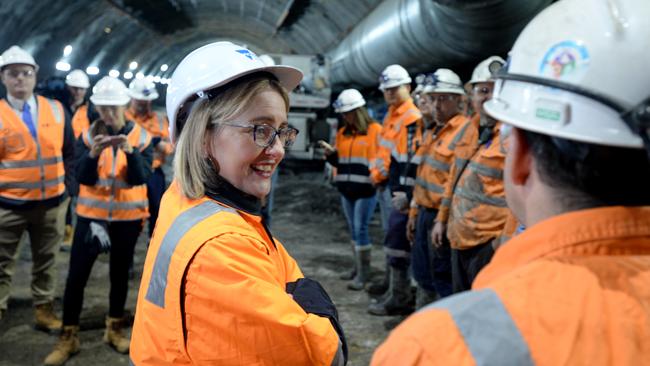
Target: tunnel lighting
(149, 78)
(139, 75)
(133, 65)
(156, 79)
(92, 70)
(164, 67)
(164, 81)
(114, 73)
(67, 51)
(128, 75)
(107, 30)
(62, 66)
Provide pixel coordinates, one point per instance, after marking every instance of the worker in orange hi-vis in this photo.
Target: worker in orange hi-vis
(571, 289)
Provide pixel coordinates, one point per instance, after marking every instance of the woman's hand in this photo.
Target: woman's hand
(121, 142)
(100, 142)
(329, 149)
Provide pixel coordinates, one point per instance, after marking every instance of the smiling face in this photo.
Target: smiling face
(241, 161)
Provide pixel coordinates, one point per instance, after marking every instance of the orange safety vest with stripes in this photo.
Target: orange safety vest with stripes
(213, 291)
(112, 198)
(32, 170)
(436, 155)
(80, 121)
(395, 119)
(570, 290)
(478, 209)
(356, 154)
(158, 127)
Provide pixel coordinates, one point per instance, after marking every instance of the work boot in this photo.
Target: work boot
(380, 288)
(424, 297)
(362, 260)
(114, 335)
(353, 272)
(44, 318)
(67, 238)
(399, 299)
(67, 346)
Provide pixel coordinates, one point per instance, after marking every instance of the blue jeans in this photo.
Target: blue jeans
(358, 214)
(385, 206)
(431, 266)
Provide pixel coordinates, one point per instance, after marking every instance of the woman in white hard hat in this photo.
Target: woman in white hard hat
(217, 288)
(113, 164)
(355, 153)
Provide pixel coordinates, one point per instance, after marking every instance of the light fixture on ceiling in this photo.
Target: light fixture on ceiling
(114, 73)
(139, 75)
(62, 66)
(164, 67)
(67, 50)
(133, 65)
(128, 75)
(92, 70)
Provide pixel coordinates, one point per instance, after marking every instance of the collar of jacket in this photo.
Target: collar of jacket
(221, 190)
(611, 231)
(403, 108)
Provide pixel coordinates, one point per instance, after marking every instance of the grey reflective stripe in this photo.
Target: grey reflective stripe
(445, 202)
(118, 183)
(480, 197)
(347, 160)
(161, 126)
(460, 162)
(29, 163)
(402, 158)
(181, 225)
(416, 160)
(430, 186)
(436, 164)
(56, 110)
(111, 205)
(396, 253)
(387, 144)
(379, 163)
(352, 178)
(32, 185)
(459, 135)
(407, 181)
(489, 332)
(486, 170)
(143, 138)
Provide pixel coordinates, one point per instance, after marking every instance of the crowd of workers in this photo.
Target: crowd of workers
(504, 200)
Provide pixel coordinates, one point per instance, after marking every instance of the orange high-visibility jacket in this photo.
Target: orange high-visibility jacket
(157, 127)
(80, 121)
(478, 210)
(571, 290)
(436, 155)
(32, 170)
(395, 119)
(213, 292)
(355, 154)
(112, 198)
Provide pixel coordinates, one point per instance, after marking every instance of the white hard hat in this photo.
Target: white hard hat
(78, 79)
(443, 81)
(484, 71)
(348, 100)
(392, 76)
(16, 55)
(142, 89)
(579, 71)
(214, 65)
(110, 91)
(268, 60)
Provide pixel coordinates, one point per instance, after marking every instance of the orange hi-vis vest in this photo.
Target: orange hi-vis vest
(32, 170)
(80, 121)
(395, 119)
(436, 155)
(213, 292)
(356, 154)
(478, 209)
(569, 290)
(112, 198)
(158, 127)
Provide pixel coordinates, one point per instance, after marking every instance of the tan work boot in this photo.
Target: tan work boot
(44, 318)
(67, 346)
(114, 336)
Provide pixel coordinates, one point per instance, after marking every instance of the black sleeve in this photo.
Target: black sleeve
(86, 167)
(333, 158)
(69, 156)
(138, 165)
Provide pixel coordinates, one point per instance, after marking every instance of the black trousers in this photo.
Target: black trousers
(467, 263)
(155, 190)
(124, 235)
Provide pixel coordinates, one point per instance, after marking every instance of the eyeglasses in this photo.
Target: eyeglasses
(483, 90)
(441, 98)
(25, 73)
(264, 135)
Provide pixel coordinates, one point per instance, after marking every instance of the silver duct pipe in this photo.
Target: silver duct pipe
(422, 35)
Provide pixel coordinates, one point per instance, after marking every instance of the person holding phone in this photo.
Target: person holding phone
(114, 158)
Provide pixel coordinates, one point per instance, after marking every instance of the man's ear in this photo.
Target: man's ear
(520, 157)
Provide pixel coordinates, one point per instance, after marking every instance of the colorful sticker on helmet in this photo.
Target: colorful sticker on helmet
(567, 60)
(246, 53)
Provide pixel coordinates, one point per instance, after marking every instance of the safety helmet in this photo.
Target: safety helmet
(16, 55)
(443, 81)
(110, 91)
(578, 71)
(348, 100)
(77, 79)
(485, 70)
(392, 76)
(267, 60)
(214, 65)
(142, 89)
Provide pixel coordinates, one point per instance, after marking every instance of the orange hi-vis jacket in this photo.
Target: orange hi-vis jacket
(395, 119)
(32, 170)
(112, 198)
(436, 155)
(570, 290)
(213, 292)
(80, 121)
(158, 127)
(478, 210)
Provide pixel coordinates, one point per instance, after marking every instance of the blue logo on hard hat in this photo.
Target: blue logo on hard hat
(246, 53)
(146, 92)
(567, 60)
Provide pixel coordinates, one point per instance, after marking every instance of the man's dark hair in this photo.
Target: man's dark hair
(589, 175)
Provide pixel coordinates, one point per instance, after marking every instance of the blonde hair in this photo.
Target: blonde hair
(361, 122)
(193, 168)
